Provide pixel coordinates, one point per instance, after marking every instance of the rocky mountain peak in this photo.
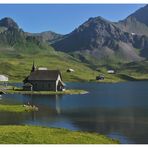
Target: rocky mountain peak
(137, 22)
(141, 15)
(8, 23)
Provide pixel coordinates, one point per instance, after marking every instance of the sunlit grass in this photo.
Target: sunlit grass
(12, 108)
(42, 135)
(21, 91)
(17, 108)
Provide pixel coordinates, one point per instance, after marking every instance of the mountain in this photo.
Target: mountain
(98, 40)
(8, 23)
(97, 43)
(101, 41)
(14, 38)
(47, 36)
(93, 34)
(18, 49)
(136, 23)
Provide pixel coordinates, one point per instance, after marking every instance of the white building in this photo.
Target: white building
(70, 70)
(3, 78)
(111, 71)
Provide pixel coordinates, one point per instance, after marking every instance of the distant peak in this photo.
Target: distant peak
(8, 22)
(140, 15)
(98, 19)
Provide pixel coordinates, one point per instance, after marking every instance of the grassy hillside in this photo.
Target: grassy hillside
(138, 70)
(17, 64)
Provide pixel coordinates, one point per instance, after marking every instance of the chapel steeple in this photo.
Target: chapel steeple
(33, 67)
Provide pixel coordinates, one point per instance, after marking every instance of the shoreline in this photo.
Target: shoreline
(17, 108)
(66, 92)
(115, 78)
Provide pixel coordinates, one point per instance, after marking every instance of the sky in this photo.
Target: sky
(62, 18)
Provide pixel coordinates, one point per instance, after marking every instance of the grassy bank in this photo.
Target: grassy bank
(42, 135)
(17, 108)
(70, 91)
(12, 108)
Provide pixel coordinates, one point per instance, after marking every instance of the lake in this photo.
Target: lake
(117, 110)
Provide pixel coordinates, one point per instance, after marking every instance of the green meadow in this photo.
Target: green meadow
(17, 66)
(42, 135)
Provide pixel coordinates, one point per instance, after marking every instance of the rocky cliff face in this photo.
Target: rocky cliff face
(94, 33)
(136, 22)
(101, 39)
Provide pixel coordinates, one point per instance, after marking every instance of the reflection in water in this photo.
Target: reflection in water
(44, 102)
(58, 110)
(43, 108)
(7, 118)
(113, 122)
(118, 110)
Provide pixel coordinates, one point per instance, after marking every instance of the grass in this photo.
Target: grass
(17, 65)
(17, 108)
(43, 135)
(138, 70)
(135, 71)
(70, 91)
(12, 108)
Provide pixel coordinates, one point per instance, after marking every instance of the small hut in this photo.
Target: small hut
(3, 79)
(70, 70)
(111, 71)
(100, 77)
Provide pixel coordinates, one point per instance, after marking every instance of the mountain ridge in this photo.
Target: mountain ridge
(101, 39)
(94, 41)
(46, 36)
(137, 22)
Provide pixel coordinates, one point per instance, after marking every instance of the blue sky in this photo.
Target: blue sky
(62, 18)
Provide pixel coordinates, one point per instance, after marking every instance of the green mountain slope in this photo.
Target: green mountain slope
(18, 65)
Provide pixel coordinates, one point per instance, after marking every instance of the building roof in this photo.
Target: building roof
(44, 75)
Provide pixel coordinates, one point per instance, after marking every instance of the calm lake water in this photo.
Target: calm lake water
(117, 110)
